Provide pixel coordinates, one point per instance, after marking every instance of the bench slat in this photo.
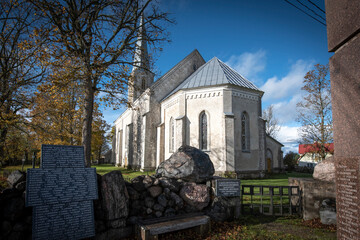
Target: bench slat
(175, 225)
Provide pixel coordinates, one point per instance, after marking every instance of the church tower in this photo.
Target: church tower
(141, 77)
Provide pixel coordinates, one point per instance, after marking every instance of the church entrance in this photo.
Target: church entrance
(269, 158)
(269, 165)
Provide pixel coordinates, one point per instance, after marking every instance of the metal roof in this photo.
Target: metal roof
(214, 72)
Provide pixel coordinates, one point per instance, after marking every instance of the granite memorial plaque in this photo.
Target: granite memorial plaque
(227, 187)
(61, 193)
(348, 195)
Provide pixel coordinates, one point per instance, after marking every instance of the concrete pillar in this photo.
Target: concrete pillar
(343, 27)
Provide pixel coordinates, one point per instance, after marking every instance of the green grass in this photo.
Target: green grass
(127, 173)
(280, 179)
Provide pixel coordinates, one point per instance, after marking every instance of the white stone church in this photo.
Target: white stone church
(207, 105)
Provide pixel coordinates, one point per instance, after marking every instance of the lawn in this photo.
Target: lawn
(127, 173)
(280, 179)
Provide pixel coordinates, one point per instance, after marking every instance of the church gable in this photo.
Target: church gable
(175, 76)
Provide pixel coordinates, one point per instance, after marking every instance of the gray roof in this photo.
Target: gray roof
(214, 72)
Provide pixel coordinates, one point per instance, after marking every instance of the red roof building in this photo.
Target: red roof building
(311, 148)
(309, 155)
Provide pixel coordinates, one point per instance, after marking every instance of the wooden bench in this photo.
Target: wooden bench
(151, 228)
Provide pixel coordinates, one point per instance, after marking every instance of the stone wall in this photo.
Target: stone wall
(313, 194)
(122, 203)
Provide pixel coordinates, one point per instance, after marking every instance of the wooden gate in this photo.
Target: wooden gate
(270, 200)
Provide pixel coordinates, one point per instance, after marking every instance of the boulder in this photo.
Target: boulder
(133, 194)
(189, 164)
(137, 183)
(114, 198)
(155, 191)
(196, 195)
(158, 214)
(169, 183)
(149, 202)
(158, 207)
(16, 177)
(325, 171)
(177, 199)
(148, 181)
(162, 200)
(169, 212)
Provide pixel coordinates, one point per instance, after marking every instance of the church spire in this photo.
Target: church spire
(141, 56)
(141, 76)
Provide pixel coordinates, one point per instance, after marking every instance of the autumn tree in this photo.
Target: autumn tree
(100, 36)
(314, 111)
(21, 68)
(272, 126)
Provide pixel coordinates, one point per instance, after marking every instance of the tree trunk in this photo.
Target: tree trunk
(87, 122)
(3, 133)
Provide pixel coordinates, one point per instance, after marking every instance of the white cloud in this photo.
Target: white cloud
(289, 137)
(285, 111)
(289, 85)
(248, 64)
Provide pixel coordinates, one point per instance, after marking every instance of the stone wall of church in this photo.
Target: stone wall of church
(246, 161)
(185, 109)
(209, 101)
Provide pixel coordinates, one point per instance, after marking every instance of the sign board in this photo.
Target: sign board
(227, 187)
(61, 193)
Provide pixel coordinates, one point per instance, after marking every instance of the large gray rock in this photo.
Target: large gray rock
(325, 171)
(113, 196)
(16, 177)
(188, 163)
(196, 195)
(155, 191)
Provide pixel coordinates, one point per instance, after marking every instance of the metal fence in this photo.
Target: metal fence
(270, 200)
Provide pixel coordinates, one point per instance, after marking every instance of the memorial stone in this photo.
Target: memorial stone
(227, 187)
(61, 193)
(343, 30)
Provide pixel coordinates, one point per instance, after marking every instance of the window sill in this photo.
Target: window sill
(246, 151)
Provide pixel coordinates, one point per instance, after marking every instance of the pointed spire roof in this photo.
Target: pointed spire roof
(141, 56)
(214, 72)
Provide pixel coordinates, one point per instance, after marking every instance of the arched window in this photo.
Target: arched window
(203, 131)
(245, 132)
(171, 135)
(143, 84)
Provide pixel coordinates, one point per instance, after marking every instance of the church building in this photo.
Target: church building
(207, 105)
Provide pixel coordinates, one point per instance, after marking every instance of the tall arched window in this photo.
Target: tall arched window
(143, 84)
(203, 131)
(171, 135)
(245, 132)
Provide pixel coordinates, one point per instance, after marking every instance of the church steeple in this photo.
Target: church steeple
(141, 76)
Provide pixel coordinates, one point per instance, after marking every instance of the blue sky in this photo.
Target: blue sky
(269, 42)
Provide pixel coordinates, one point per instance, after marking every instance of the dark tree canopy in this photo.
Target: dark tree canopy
(98, 38)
